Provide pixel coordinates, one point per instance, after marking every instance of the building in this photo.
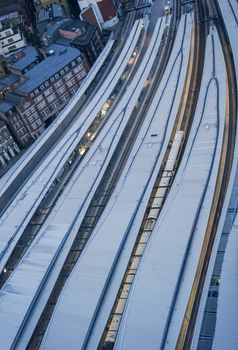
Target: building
(66, 4)
(49, 15)
(98, 12)
(52, 82)
(24, 60)
(10, 11)
(11, 81)
(83, 36)
(29, 114)
(76, 33)
(11, 39)
(8, 147)
(11, 116)
(89, 15)
(52, 33)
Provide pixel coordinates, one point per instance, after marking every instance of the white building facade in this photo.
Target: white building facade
(11, 39)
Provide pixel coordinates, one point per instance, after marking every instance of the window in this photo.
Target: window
(66, 69)
(46, 84)
(61, 90)
(78, 68)
(55, 104)
(34, 126)
(28, 113)
(41, 105)
(62, 72)
(59, 83)
(8, 32)
(70, 82)
(36, 91)
(49, 91)
(38, 99)
(42, 87)
(31, 94)
(51, 97)
(73, 64)
(45, 112)
(10, 40)
(52, 79)
(56, 76)
(73, 90)
(68, 76)
(81, 75)
(65, 97)
(26, 104)
(13, 47)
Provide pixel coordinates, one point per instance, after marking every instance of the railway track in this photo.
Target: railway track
(10, 192)
(184, 122)
(189, 322)
(46, 205)
(96, 208)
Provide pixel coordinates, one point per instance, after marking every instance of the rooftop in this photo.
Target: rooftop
(28, 56)
(2, 87)
(86, 29)
(49, 66)
(5, 106)
(9, 79)
(50, 13)
(55, 26)
(15, 99)
(5, 10)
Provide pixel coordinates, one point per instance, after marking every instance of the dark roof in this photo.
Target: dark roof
(2, 87)
(14, 99)
(85, 38)
(51, 12)
(63, 41)
(9, 8)
(55, 27)
(5, 106)
(29, 55)
(86, 29)
(49, 66)
(9, 79)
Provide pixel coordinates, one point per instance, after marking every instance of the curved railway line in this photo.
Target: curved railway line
(108, 183)
(56, 288)
(42, 324)
(151, 296)
(52, 280)
(188, 326)
(184, 122)
(32, 228)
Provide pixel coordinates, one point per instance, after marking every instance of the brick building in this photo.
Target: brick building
(83, 36)
(52, 82)
(29, 114)
(24, 60)
(102, 12)
(10, 115)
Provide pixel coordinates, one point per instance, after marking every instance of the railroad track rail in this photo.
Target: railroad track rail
(187, 329)
(95, 211)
